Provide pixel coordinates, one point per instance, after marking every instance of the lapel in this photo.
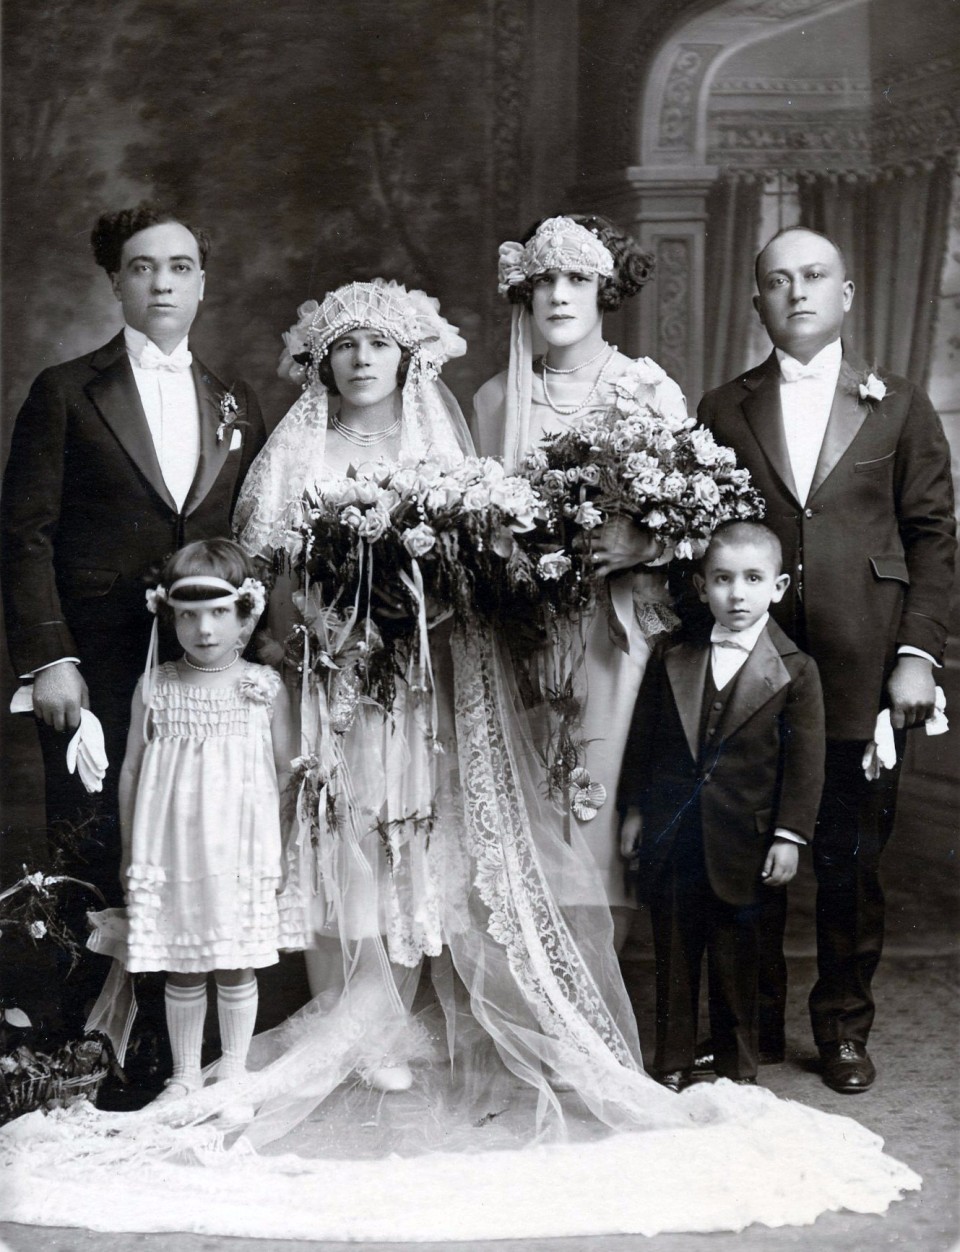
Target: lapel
(847, 415)
(762, 675)
(114, 394)
(686, 666)
(761, 408)
(210, 391)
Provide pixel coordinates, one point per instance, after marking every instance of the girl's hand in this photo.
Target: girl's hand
(620, 544)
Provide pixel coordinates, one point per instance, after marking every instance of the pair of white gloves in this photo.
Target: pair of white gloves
(86, 754)
(881, 753)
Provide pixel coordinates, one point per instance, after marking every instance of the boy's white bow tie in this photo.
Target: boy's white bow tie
(151, 358)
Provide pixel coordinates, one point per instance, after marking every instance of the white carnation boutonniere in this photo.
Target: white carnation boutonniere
(230, 419)
(872, 389)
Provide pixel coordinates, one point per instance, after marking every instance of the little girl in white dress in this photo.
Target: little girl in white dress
(207, 753)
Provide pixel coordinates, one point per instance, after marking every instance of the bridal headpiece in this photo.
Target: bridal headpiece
(412, 318)
(559, 243)
(270, 504)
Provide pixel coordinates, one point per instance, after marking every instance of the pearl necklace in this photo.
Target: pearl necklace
(574, 368)
(563, 410)
(363, 438)
(211, 669)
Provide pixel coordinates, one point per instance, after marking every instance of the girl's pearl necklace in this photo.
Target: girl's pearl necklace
(362, 438)
(211, 669)
(563, 410)
(574, 368)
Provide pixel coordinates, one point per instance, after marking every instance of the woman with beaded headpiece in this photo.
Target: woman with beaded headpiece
(560, 280)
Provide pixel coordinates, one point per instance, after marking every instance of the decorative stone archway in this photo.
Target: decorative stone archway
(749, 88)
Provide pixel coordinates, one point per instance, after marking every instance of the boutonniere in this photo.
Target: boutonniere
(229, 415)
(871, 389)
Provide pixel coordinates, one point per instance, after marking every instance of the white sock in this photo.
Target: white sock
(186, 1009)
(237, 1011)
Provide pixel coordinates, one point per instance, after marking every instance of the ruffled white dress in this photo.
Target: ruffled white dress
(205, 843)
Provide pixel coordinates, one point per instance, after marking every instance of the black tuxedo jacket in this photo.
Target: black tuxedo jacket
(763, 769)
(871, 552)
(86, 516)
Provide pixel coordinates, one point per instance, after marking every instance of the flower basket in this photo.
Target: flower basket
(32, 1080)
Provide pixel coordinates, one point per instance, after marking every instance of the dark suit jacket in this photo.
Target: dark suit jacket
(871, 553)
(764, 768)
(86, 515)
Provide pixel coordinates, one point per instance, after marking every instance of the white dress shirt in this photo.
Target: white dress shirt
(806, 398)
(169, 399)
(729, 650)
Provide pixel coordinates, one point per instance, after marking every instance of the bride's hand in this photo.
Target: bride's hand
(620, 544)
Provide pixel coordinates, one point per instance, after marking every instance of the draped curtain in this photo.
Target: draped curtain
(893, 232)
(733, 222)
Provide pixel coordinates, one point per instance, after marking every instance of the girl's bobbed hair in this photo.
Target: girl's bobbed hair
(219, 558)
(632, 266)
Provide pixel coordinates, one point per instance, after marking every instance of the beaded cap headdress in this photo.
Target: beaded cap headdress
(560, 243)
(411, 318)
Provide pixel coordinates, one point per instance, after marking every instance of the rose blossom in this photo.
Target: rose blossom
(590, 475)
(419, 540)
(553, 565)
(588, 516)
(374, 523)
(705, 490)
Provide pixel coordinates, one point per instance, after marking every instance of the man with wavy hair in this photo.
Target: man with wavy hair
(118, 458)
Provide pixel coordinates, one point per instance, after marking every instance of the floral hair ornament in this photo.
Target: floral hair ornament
(411, 318)
(250, 596)
(559, 243)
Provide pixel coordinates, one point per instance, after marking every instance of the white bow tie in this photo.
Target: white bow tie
(720, 637)
(151, 358)
(792, 371)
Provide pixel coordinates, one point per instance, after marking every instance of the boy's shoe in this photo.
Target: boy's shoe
(705, 1063)
(674, 1080)
(846, 1067)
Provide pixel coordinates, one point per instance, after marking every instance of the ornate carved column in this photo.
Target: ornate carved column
(664, 208)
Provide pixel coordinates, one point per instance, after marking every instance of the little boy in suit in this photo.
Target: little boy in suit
(720, 786)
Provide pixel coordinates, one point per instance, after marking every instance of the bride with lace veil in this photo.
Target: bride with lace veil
(508, 1099)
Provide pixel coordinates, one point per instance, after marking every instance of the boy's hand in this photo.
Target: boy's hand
(781, 863)
(631, 832)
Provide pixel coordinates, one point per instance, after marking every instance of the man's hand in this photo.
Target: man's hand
(912, 690)
(620, 544)
(781, 863)
(631, 832)
(59, 693)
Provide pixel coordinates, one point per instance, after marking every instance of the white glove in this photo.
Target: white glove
(86, 753)
(882, 752)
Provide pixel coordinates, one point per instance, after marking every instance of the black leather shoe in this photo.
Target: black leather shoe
(744, 1082)
(846, 1067)
(676, 1079)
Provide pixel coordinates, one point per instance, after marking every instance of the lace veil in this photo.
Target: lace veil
(293, 457)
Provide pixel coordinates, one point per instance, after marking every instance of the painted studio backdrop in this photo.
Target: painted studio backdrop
(323, 140)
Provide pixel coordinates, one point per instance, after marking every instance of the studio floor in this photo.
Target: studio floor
(914, 1106)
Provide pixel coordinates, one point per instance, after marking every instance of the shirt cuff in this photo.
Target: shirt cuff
(907, 649)
(49, 665)
(790, 836)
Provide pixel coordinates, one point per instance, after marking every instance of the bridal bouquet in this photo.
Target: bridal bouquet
(662, 469)
(388, 553)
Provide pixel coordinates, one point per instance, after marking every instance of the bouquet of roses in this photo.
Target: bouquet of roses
(661, 469)
(386, 553)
